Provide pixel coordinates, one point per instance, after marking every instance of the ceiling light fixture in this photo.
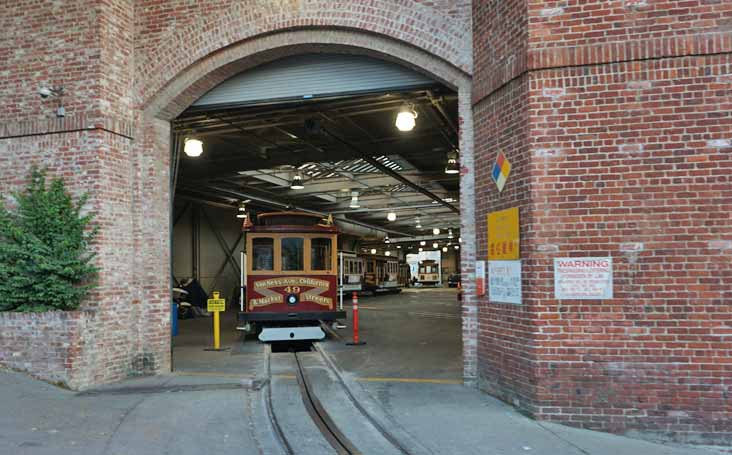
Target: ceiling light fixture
(297, 183)
(449, 234)
(354, 200)
(193, 147)
(388, 253)
(435, 245)
(242, 212)
(422, 243)
(386, 239)
(391, 216)
(457, 247)
(373, 250)
(444, 249)
(436, 231)
(452, 166)
(406, 117)
(420, 250)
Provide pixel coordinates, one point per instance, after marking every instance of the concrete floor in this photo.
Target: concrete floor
(412, 335)
(410, 370)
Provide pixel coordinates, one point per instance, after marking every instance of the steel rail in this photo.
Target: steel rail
(380, 428)
(321, 418)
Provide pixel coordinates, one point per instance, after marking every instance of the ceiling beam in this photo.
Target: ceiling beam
(391, 172)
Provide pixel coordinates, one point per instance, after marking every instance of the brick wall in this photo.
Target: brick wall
(56, 346)
(628, 155)
(499, 44)
(128, 67)
(505, 330)
(637, 168)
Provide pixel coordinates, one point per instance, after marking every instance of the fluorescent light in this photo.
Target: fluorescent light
(193, 147)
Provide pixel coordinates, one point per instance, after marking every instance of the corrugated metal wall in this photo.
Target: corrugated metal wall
(312, 76)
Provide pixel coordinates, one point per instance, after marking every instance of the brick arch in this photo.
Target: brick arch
(177, 91)
(402, 21)
(182, 89)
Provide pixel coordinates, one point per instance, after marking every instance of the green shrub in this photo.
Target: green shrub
(45, 261)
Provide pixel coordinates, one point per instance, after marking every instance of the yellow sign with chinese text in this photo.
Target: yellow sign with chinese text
(503, 235)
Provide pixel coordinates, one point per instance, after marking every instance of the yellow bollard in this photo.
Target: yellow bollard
(216, 306)
(217, 331)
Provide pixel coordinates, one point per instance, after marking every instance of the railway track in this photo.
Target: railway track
(326, 407)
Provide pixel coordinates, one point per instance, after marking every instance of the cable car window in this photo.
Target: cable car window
(263, 252)
(320, 254)
(292, 253)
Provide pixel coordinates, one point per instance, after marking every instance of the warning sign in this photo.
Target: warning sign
(503, 234)
(215, 305)
(480, 278)
(583, 278)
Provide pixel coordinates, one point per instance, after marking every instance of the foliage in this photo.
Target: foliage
(45, 261)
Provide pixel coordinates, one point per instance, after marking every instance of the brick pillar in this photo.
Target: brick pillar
(619, 135)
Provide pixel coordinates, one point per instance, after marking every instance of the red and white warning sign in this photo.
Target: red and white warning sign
(583, 278)
(480, 278)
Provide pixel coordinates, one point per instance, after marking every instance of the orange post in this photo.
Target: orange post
(356, 341)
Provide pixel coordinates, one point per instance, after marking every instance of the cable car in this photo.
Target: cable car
(380, 273)
(428, 273)
(352, 272)
(291, 276)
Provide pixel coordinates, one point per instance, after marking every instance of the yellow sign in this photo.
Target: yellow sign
(503, 234)
(215, 304)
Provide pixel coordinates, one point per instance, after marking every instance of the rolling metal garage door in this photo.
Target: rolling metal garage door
(312, 76)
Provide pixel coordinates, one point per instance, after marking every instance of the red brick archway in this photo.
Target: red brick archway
(403, 21)
(182, 88)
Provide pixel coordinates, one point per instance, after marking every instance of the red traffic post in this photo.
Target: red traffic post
(356, 341)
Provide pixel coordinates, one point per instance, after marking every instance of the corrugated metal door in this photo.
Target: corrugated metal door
(312, 76)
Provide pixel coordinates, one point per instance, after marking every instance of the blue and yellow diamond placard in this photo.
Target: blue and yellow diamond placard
(501, 170)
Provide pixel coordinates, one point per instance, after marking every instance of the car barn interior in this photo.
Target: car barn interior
(363, 145)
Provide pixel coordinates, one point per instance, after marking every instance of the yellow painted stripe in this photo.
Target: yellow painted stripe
(211, 374)
(284, 376)
(395, 380)
(412, 380)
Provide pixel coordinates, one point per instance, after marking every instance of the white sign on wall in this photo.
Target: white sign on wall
(504, 281)
(583, 278)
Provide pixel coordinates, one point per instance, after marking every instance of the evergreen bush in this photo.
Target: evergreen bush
(45, 260)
